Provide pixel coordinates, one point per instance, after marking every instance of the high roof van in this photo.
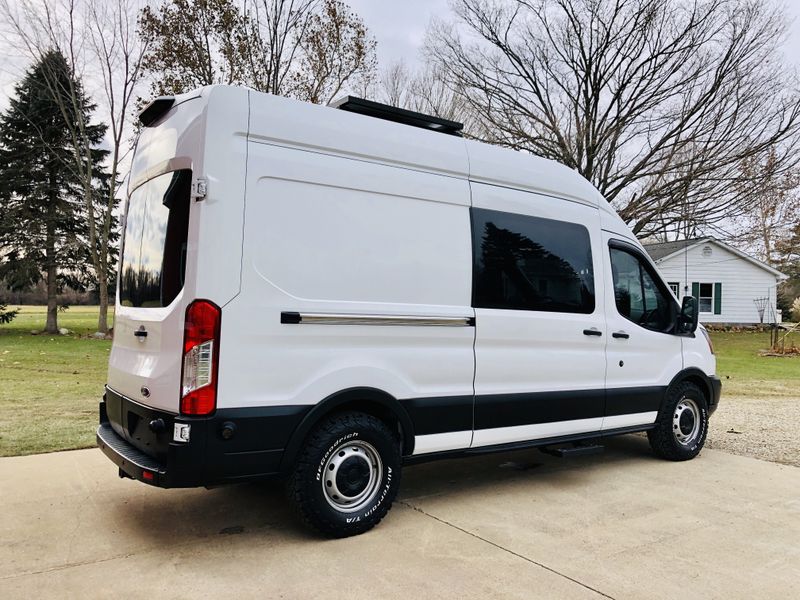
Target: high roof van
(325, 294)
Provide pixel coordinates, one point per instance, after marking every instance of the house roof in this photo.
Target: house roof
(662, 251)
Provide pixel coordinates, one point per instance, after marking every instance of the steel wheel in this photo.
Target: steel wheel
(686, 421)
(352, 476)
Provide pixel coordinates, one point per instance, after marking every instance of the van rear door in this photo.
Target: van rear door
(145, 362)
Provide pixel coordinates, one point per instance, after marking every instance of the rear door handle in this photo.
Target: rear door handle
(620, 335)
(592, 332)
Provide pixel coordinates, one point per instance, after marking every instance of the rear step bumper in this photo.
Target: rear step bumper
(131, 461)
(127, 437)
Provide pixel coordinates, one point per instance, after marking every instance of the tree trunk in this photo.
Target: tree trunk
(102, 320)
(50, 258)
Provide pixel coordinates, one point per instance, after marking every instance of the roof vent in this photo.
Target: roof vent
(398, 115)
(707, 251)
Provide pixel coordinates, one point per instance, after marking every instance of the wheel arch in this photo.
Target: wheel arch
(368, 400)
(697, 377)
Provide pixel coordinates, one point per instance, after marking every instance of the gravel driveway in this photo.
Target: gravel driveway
(764, 428)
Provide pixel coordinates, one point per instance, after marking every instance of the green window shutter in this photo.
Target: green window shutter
(696, 290)
(717, 298)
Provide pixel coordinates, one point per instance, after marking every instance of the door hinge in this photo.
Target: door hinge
(199, 189)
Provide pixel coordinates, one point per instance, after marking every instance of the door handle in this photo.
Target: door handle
(592, 332)
(140, 333)
(620, 335)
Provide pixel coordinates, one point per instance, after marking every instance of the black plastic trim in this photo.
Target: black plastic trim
(626, 401)
(155, 110)
(712, 383)
(423, 458)
(441, 414)
(290, 318)
(386, 112)
(362, 398)
(253, 452)
(509, 410)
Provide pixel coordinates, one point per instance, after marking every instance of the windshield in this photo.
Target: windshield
(154, 246)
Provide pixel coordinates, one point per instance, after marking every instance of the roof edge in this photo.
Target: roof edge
(736, 251)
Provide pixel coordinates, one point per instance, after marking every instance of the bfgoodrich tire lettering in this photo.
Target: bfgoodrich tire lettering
(347, 475)
(682, 424)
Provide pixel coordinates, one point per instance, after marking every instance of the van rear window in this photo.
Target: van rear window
(154, 247)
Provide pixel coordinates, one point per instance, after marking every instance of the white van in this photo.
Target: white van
(325, 294)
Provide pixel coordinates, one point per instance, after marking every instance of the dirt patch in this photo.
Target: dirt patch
(760, 427)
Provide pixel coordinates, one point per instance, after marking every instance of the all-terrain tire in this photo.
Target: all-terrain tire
(682, 423)
(336, 458)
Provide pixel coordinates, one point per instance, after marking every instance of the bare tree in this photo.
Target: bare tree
(307, 49)
(656, 102)
(425, 90)
(195, 43)
(336, 50)
(276, 29)
(118, 54)
(97, 36)
(771, 205)
(394, 84)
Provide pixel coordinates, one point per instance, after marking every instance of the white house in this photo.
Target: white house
(732, 286)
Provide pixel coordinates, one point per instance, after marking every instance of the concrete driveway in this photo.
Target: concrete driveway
(520, 525)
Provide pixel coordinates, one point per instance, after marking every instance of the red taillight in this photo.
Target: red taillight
(147, 475)
(200, 358)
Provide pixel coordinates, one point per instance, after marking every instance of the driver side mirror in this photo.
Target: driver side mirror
(689, 315)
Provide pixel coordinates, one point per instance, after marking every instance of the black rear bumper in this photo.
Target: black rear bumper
(152, 455)
(130, 461)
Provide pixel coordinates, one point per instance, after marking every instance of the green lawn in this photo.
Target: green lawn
(745, 373)
(51, 384)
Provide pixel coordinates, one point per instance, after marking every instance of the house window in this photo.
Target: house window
(675, 288)
(709, 297)
(706, 299)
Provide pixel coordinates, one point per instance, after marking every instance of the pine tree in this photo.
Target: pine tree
(42, 209)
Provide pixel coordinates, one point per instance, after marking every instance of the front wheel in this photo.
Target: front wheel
(682, 424)
(347, 475)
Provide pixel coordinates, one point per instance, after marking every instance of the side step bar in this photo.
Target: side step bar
(573, 450)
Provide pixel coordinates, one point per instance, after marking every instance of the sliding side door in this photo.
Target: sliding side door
(540, 324)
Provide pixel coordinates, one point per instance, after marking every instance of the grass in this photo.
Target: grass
(51, 384)
(745, 373)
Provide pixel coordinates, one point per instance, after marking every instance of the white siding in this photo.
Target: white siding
(742, 282)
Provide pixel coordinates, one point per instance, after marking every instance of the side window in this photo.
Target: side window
(638, 296)
(529, 263)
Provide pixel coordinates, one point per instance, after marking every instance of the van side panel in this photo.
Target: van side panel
(327, 235)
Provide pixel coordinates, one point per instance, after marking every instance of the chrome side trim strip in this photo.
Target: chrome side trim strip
(295, 318)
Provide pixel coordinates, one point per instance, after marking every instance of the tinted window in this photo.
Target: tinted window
(528, 263)
(154, 246)
(638, 296)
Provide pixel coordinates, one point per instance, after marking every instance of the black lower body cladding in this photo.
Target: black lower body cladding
(254, 451)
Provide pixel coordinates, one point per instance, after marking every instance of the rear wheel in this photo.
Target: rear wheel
(347, 475)
(682, 425)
